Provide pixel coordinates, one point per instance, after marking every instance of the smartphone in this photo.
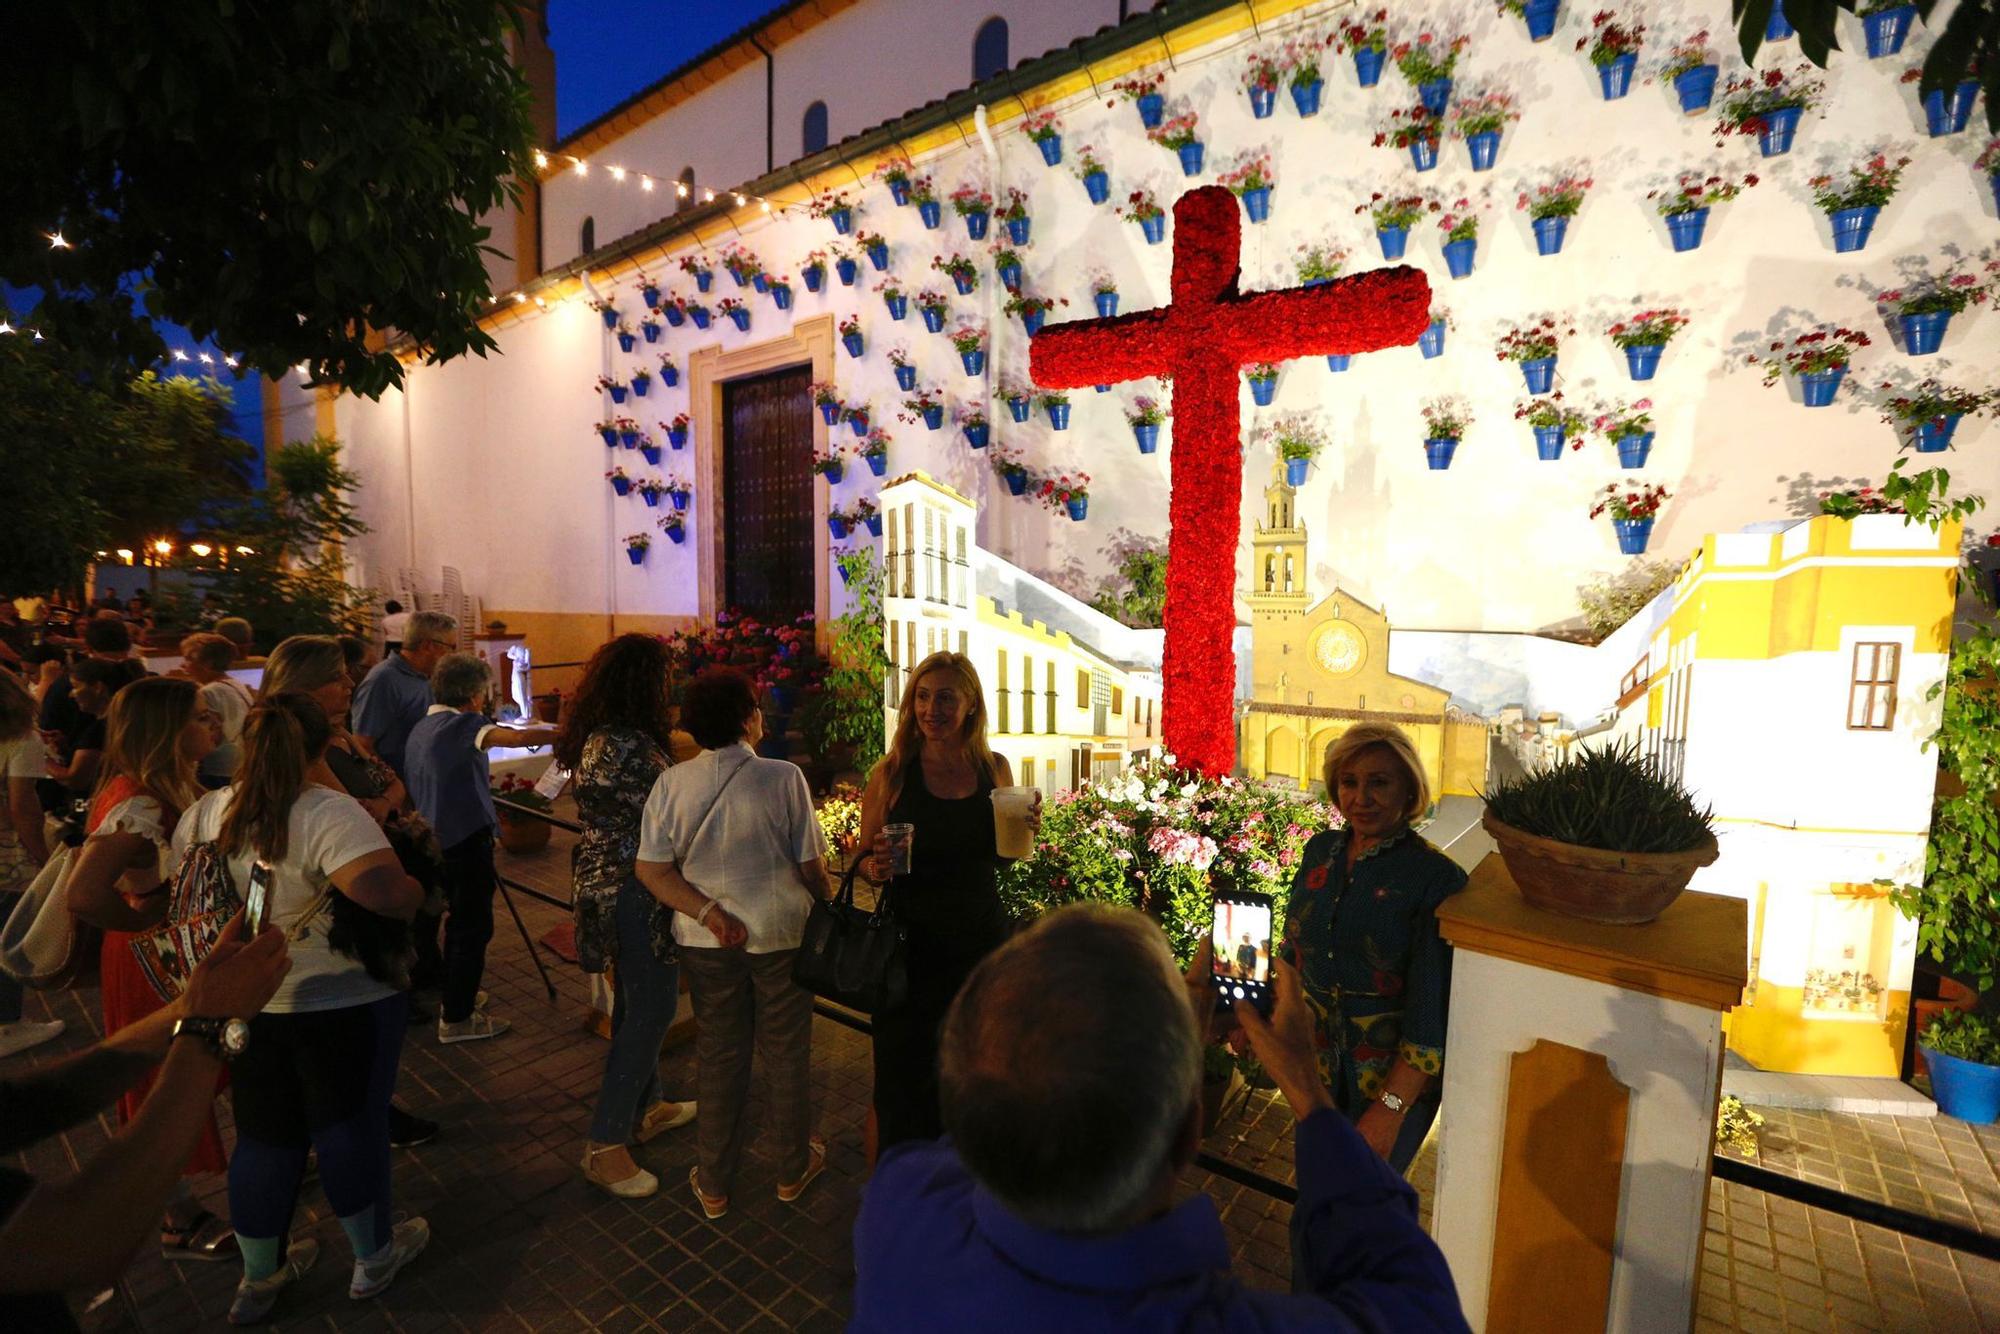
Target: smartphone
(1240, 938)
(257, 903)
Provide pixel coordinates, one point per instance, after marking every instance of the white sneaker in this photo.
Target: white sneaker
(406, 1242)
(255, 1298)
(475, 1026)
(22, 1034)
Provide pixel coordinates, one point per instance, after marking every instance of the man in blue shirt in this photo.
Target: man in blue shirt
(393, 696)
(1070, 1068)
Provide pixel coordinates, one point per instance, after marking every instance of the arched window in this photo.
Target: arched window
(989, 49)
(686, 191)
(588, 239)
(812, 133)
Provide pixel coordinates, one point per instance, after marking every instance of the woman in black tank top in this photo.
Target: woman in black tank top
(939, 777)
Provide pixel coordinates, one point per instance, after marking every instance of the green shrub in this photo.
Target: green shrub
(1609, 797)
(1968, 1036)
(1609, 601)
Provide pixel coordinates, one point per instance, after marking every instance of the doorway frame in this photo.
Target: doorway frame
(810, 343)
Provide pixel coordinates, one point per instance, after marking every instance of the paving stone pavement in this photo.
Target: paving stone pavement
(520, 1242)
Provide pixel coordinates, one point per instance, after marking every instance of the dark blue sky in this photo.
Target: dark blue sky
(606, 50)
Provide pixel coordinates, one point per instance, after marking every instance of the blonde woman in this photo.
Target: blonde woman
(939, 777)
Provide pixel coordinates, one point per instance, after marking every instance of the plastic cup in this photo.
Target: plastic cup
(902, 838)
(1013, 836)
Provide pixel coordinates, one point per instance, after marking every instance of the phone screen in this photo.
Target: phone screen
(1242, 941)
(257, 903)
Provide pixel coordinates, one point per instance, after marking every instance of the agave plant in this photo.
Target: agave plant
(1610, 797)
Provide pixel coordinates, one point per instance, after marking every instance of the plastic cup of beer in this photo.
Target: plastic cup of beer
(1013, 836)
(902, 837)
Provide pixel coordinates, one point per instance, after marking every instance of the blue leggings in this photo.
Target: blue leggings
(319, 1080)
(645, 993)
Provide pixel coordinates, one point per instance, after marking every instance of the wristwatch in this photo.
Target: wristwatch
(227, 1038)
(1393, 1103)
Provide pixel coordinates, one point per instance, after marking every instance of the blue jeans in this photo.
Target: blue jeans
(643, 996)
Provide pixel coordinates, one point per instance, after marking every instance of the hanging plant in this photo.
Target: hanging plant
(1550, 205)
(1768, 104)
(1143, 91)
(1252, 182)
(1014, 213)
(1478, 120)
(893, 300)
(1096, 178)
(1535, 348)
(1428, 58)
(1296, 438)
(1301, 66)
(1851, 205)
(678, 491)
(1628, 429)
(1068, 493)
(1643, 337)
(926, 406)
(874, 451)
(740, 264)
(1318, 262)
(1104, 294)
(895, 173)
(1181, 134)
(1929, 414)
(1009, 468)
(636, 546)
(1819, 359)
(620, 480)
(1142, 208)
(1554, 423)
(650, 490)
(830, 462)
(969, 341)
(1020, 398)
(1686, 206)
(1690, 67)
(1460, 225)
(826, 397)
(1032, 310)
(1366, 39)
(1262, 73)
(968, 200)
(1614, 50)
(1445, 423)
(1414, 128)
(1046, 130)
(736, 312)
(835, 208)
(1632, 512)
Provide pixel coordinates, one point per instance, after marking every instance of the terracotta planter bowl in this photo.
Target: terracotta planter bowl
(1624, 888)
(520, 835)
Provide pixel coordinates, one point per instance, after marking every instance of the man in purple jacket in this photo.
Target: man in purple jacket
(1071, 1073)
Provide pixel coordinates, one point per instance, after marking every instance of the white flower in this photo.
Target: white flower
(1189, 789)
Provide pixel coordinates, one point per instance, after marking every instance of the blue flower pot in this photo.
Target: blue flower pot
(1483, 148)
(973, 361)
(680, 499)
(1058, 416)
(1017, 483)
(1851, 227)
(637, 555)
(933, 418)
(1458, 257)
(1295, 471)
(1633, 450)
(1051, 149)
(617, 393)
(651, 330)
(964, 282)
(652, 499)
(610, 319)
(1019, 408)
(1539, 374)
(1098, 186)
(1107, 304)
(1924, 334)
(1779, 127)
(611, 435)
(700, 316)
(975, 224)
(1993, 184)
(842, 220)
(857, 422)
(1819, 387)
(640, 384)
(1424, 153)
(847, 271)
(1437, 453)
(1148, 436)
(1152, 109)
(1431, 341)
(1191, 158)
(1154, 229)
(1685, 229)
(931, 214)
(878, 464)
(837, 526)
(1549, 441)
(1949, 116)
(781, 296)
(1641, 360)
(1338, 361)
(1101, 388)
(1018, 230)
(874, 522)
(1263, 391)
(1263, 101)
(899, 305)
(1777, 27)
(673, 315)
(1368, 67)
(741, 319)
(1616, 78)
(737, 276)
(834, 471)
(815, 277)
(1435, 94)
(852, 342)
(1549, 234)
(906, 378)
(625, 341)
(762, 282)
(1633, 535)
(830, 412)
(1696, 88)
(676, 535)
(670, 376)
(933, 318)
(622, 485)
(629, 438)
(1257, 203)
(1964, 1089)
(1541, 18)
(878, 255)
(1077, 508)
(977, 434)
(1885, 31)
(651, 296)
(899, 193)
(1934, 436)
(1305, 96)
(677, 437)
(704, 279)
(1009, 276)
(1393, 241)
(1032, 321)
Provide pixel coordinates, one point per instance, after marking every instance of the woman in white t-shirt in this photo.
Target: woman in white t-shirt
(321, 1061)
(22, 849)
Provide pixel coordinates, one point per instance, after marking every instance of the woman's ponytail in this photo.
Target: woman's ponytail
(283, 736)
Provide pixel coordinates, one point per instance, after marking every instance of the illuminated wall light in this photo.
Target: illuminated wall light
(163, 547)
(180, 355)
(229, 362)
(767, 205)
(541, 304)
(740, 201)
(646, 184)
(202, 549)
(125, 554)
(56, 241)
(680, 188)
(582, 167)
(6, 328)
(541, 159)
(618, 173)
(245, 551)
(520, 298)
(205, 359)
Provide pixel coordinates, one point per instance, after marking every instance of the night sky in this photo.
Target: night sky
(606, 50)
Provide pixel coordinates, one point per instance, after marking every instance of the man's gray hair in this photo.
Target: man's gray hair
(1068, 1065)
(460, 678)
(430, 627)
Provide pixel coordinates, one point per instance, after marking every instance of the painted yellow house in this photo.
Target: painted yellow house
(1785, 681)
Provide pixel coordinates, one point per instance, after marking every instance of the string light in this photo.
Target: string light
(179, 355)
(618, 173)
(546, 161)
(582, 167)
(56, 241)
(541, 160)
(163, 547)
(646, 184)
(6, 328)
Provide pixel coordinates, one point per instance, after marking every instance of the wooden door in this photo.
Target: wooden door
(767, 495)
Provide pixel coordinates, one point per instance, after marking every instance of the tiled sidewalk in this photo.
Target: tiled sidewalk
(520, 1242)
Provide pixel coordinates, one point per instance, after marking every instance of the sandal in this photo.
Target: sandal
(206, 1237)
(815, 1164)
(713, 1206)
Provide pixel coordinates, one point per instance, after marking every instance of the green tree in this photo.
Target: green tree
(1968, 47)
(1142, 601)
(846, 708)
(282, 178)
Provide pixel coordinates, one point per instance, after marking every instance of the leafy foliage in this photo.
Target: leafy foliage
(1608, 797)
(1610, 600)
(1966, 1035)
(847, 708)
(1736, 1127)
(1141, 601)
(1967, 48)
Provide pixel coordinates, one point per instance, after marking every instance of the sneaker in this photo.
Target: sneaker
(406, 1242)
(22, 1034)
(475, 1026)
(658, 1120)
(406, 1130)
(256, 1297)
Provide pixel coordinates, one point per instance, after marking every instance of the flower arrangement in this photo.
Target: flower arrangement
(617, 475)
(652, 488)
(1088, 163)
(1293, 435)
(1318, 262)
(616, 387)
(1301, 59)
(1750, 99)
(1265, 371)
(1264, 70)
(829, 462)
(1648, 328)
(1146, 411)
(694, 265)
(1932, 402)
(1627, 503)
(1410, 125)
(920, 405)
(1141, 207)
(1428, 58)
(1031, 307)
(1690, 53)
(932, 303)
(889, 290)
(894, 172)
(633, 542)
(1696, 191)
(899, 356)
(1103, 284)
(1016, 207)
(969, 338)
(1870, 185)
(1614, 424)
(1137, 86)
(1551, 413)
(922, 190)
(1253, 174)
(1853, 503)
(850, 326)
(1949, 293)
(1397, 211)
(1558, 197)
(823, 207)
(1460, 222)
(728, 305)
(1040, 125)
(1532, 342)
(1483, 113)
(1176, 132)
(1064, 489)
(825, 393)
(1608, 39)
(1446, 418)
(970, 199)
(740, 264)
(874, 445)
(1007, 465)
(1370, 32)
(1811, 353)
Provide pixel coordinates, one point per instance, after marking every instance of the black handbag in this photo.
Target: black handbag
(852, 956)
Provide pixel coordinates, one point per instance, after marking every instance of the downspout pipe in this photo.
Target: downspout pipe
(770, 104)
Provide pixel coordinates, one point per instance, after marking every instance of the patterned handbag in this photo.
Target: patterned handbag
(199, 905)
(853, 956)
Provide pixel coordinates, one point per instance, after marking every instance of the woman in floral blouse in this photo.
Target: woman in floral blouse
(615, 738)
(1362, 931)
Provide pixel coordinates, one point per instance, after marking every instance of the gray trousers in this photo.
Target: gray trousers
(741, 999)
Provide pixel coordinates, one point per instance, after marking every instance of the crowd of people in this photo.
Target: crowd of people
(1036, 1090)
